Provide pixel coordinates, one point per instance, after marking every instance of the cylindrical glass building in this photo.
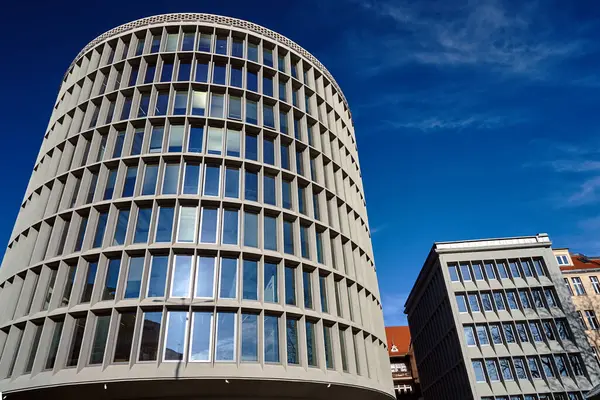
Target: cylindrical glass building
(195, 225)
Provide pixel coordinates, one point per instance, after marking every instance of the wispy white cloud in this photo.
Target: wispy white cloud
(487, 32)
(440, 122)
(378, 229)
(393, 308)
(588, 192)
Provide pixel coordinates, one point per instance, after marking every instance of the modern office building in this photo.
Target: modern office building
(492, 319)
(581, 276)
(195, 224)
(402, 361)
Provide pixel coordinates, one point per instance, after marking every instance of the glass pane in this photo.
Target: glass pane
(142, 226)
(217, 105)
(328, 347)
(124, 337)
(150, 336)
(187, 225)
(176, 138)
(201, 336)
(76, 340)
(250, 229)
(212, 180)
(198, 103)
(134, 277)
(228, 280)
(230, 227)
(290, 286)
(232, 182)
(90, 278)
(271, 339)
(181, 276)
(233, 143)
(205, 277)
(100, 336)
(249, 337)
(250, 284)
(269, 190)
(251, 186)
(311, 346)
(54, 344)
(112, 278)
(270, 233)
(225, 349)
(208, 232)
(158, 276)
(215, 141)
(121, 228)
(175, 342)
(150, 178)
(307, 284)
(164, 228)
(251, 147)
(202, 71)
(195, 139)
(171, 179)
(270, 282)
(291, 328)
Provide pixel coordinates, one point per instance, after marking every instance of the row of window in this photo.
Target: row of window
(502, 300)
(528, 368)
(579, 288)
(590, 322)
(287, 63)
(530, 331)
(199, 335)
(184, 275)
(497, 269)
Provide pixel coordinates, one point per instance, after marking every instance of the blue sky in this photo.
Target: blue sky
(473, 118)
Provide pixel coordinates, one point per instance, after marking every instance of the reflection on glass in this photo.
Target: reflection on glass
(181, 276)
(175, 342)
(150, 336)
(249, 337)
(201, 336)
(228, 279)
(225, 349)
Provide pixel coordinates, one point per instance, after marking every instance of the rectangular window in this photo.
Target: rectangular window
(187, 43)
(121, 228)
(502, 271)
(323, 293)
(182, 282)
(271, 332)
(228, 279)
(579, 289)
(54, 344)
(525, 301)
(150, 336)
(249, 337)
(291, 330)
(226, 333)
(233, 143)
(150, 178)
(191, 178)
(150, 72)
(469, 336)
(453, 271)
(534, 368)
(205, 42)
(511, 296)
(205, 277)
(250, 280)
(202, 71)
(576, 364)
(252, 147)
(76, 339)
(538, 264)
(514, 268)
(235, 107)
(509, 333)
(216, 105)
(290, 286)
(482, 335)
(142, 226)
(164, 228)
(492, 370)
(175, 138)
(208, 230)
(49, 289)
(319, 245)
(538, 299)
(526, 265)
(304, 241)
(158, 276)
(232, 182)
(250, 229)
(311, 344)
(534, 327)
(477, 271)
(187, 225)
(461, 303)
(522, 332)
(68, 285)
(112, 279)
(171, 178)
(176, 335)
(328, 347)
(184, 71)
(219, 72)
(212, 180)
(124, 337)
(267, 57)
(162, 102)
(286, 191)
(198, 102)
(236, 76)
(267, 86)
(156, 139)
(230, 227)
(268, 116)
(195, 139)
(271, 291)
(307, 285)
(288, 237)
(465, 271)
(270, 233)
(547, 366)
(499, 300)
(167, 71)
(269, 190)
(590, 315)
(130, 178)
(237, 47)
(34, 347)
(110, 184)
(100, 337)
(134, 277)
(90, 278)
(201, 336)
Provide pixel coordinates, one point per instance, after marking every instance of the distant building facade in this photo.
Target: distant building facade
(492, 320)
(582, 278)
(402, 361)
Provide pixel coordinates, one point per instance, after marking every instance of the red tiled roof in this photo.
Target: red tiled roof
(398, 336)
(581, 262)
